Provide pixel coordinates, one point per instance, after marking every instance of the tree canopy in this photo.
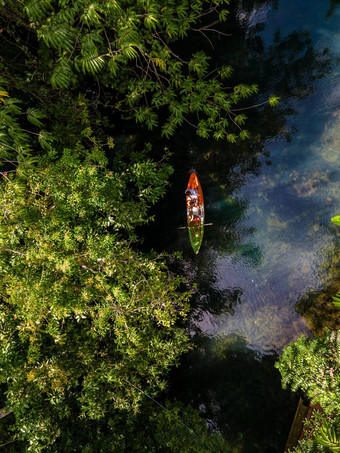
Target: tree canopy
(130, 48)
(85, 319)
(89, 325)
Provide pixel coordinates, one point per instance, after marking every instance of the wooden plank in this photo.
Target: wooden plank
(296, 431)
(302, 415)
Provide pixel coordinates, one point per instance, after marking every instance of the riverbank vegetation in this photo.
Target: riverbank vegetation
(313, 367)
(89, 324)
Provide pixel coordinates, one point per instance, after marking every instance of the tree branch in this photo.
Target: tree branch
(4, 411)
(12, 251)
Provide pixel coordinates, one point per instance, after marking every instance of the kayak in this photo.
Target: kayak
(195, 211)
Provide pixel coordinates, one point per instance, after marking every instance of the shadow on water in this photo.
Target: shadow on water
(239, 392)
(268, 248)
(332, 7)
(288, 68)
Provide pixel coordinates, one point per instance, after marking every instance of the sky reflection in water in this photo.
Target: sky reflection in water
(272, 248)
(284, 234)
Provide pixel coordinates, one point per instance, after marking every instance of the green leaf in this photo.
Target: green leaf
(232, 138)
(199, 63)
(113, 66)
(90, 16)
(57, 36)
(62, 74)
(219, 134)
(274, 101)
(336, 220)
(244, 134)
(223, 15)
(336, 300)
(328, 437)
(151, 22)
(226, 72)
(168, 129)
(240, 119)
(37, 9)
(34, 115)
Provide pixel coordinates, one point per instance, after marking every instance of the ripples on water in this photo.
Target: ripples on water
(284, 234)
(272, 249)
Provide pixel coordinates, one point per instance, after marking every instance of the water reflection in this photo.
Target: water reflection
(270, 263)
(239, 391)
(271, 200)
(332, 8)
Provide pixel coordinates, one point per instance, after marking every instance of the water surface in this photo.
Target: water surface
(272, 249)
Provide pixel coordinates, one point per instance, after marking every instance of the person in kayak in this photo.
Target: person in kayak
(193, 207)
(195, 222)
(192, 197)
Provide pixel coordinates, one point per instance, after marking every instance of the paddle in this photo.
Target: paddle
(184, 227)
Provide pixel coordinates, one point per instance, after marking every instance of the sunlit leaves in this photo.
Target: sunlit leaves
(329, 437)
(160, 63)
(219, 134)
(336, 300)
(226, 72)
(223, 15)
(240, 119)
(89, 311)
(313, 366)
(89, 61)
(91, 15)
(123, 44)
(151, 21)
(14, 141)
(244, 134)
(243, 91)
(3, 94)
(91, 64)
(336, 220)
(232, 138)
(129, 51)
(274, 101)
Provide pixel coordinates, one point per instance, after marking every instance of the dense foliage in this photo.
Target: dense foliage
(313, 366)
(129, 47)
(85, 320)
(88, 324)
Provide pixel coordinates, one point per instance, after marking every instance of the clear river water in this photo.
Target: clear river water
(268, 264)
